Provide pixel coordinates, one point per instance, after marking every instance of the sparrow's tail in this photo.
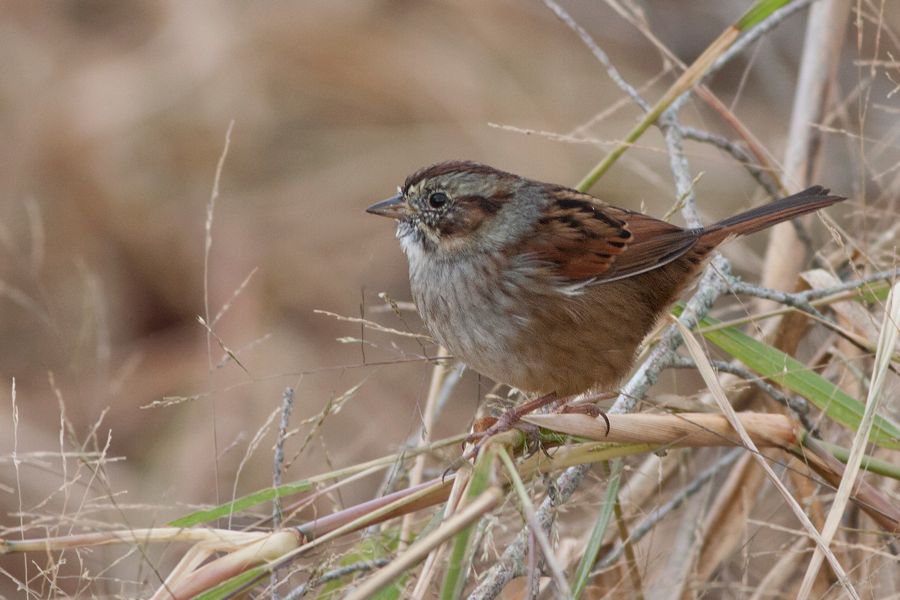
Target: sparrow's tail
(762, 217)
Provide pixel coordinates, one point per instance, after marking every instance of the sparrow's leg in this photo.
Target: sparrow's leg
(511, 419)
(508, 420)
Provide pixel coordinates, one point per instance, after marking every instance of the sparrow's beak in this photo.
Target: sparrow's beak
(393, 208)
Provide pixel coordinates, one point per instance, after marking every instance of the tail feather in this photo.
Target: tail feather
(767, 215)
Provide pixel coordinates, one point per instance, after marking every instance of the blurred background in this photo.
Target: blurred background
(113, 116)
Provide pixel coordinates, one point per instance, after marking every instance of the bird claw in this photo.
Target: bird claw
(592, 410)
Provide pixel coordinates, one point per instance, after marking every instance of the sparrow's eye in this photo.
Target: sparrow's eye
(438, 200)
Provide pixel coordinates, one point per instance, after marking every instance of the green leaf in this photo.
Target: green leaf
(232, 585)
(758, 12)
(690, 78)
(586, 564)
(229, 508)
(393, 591)
(793, 375)
(457, 565)
(270, 494)
(869, 463)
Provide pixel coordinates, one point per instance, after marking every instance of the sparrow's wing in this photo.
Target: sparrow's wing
(581, 239)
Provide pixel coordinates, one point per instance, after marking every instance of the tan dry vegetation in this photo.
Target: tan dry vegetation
(114, 115)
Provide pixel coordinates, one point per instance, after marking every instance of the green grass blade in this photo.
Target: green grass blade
(869, 463)
(243, 503)
(457, 565)
(230, 586)
(788, 372)
(758, 12)
(582, 574)
(694, 73)
(269, 494)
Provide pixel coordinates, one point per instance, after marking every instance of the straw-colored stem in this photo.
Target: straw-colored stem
(487, 501)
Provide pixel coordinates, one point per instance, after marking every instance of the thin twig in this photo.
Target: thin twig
(360, 567)
(677, 500)
(737, 152)
(680, 168)
(810, 295)
(287, 404)
(798, 405)
(599, 54)
(785, 254)
(795, 300)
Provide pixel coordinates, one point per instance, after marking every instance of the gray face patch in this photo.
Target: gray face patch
(455, 211)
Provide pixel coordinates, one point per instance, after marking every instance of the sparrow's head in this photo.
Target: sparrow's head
(451, 206)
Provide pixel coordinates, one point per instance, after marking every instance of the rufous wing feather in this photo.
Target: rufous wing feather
(583, 239)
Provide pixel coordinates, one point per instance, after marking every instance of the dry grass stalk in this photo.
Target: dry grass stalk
(685, 430)
(439, 374)
(457, 492)
(715, 387)
(487, 501)
(786, 254)
(887, 341)
(271, 547)
(727, 516)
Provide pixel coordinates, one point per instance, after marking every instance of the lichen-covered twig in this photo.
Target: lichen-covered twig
(798, 405)
(738, 153)
(598, 53)
(359, 567)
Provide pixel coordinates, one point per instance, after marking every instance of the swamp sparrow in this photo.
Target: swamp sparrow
(545, 288)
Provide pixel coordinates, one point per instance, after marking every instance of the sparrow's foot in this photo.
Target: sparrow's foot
(487, 427)
(511, 419)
